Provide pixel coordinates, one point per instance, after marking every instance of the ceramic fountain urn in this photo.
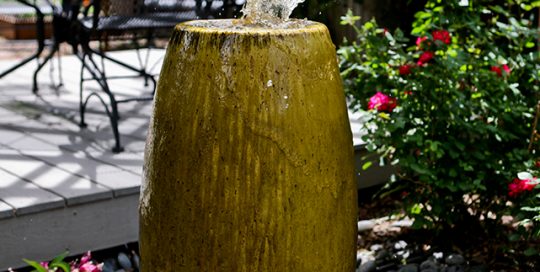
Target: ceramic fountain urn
(249, 157)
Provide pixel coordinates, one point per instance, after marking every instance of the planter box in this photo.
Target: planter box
(18, 27)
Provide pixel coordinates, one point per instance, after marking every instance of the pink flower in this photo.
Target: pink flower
(425, 58)
(45, 265)
(405, 69)
(519, 186)
(86, 257)
(382, 102)
(506, 69)
(498, 70)
(420, 40)
(441, 35)
(89, 267)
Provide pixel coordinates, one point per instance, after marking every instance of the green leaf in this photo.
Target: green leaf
(36, 265)
(529, 45)
(384, 115)
(349, 18)
(514, 237)
(366, 165)
(418, 169)
(60, 257)
(531, 209)
(524, 175)
(530, 252)
(62, 265)
(416, 208)
(368, 25)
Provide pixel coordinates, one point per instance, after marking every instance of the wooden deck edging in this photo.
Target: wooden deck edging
(91, 226)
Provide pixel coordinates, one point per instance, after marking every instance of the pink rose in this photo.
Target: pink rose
(506, 69)
(441, 35)
(519, 186)
(420, 40)
(425, 58)
(382, 102)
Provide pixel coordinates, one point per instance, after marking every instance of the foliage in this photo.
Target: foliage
(466, 85)
(525, 194)
(85, 264)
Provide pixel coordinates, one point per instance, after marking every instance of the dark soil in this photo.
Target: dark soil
(495, 252)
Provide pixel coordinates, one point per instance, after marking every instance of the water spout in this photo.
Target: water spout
(268, 13)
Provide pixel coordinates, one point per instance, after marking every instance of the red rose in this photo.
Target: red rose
(441, 35)
(498, 70)
(405, 69)
(425, 57)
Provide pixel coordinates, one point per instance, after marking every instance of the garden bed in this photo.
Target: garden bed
(387, 242)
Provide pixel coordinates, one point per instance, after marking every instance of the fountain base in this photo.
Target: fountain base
(249, 159)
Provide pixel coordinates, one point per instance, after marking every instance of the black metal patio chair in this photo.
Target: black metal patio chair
(138, 20)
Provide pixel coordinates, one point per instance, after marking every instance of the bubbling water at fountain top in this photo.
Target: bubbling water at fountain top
(269, 12)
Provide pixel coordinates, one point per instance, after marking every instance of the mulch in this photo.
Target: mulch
(497, 253)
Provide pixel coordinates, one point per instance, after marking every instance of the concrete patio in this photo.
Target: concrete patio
(61, 187)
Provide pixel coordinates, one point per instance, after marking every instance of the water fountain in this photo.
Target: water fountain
(249, 159)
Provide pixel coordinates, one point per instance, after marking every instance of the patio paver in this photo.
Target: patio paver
(26, 197)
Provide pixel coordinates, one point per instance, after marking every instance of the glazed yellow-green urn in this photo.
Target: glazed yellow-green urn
(249, 157)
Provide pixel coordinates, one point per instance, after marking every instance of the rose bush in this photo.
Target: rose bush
(463, 102)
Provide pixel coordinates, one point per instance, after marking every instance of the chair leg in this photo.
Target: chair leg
(82, 105)
(54, 48)
(142, 65)
(60, 77)
(113, 112)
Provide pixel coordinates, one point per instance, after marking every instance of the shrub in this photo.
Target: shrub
(465, 88)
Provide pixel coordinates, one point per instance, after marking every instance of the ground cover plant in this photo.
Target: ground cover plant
(452, 106)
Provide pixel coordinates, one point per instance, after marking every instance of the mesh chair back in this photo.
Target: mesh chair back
(121, 7)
